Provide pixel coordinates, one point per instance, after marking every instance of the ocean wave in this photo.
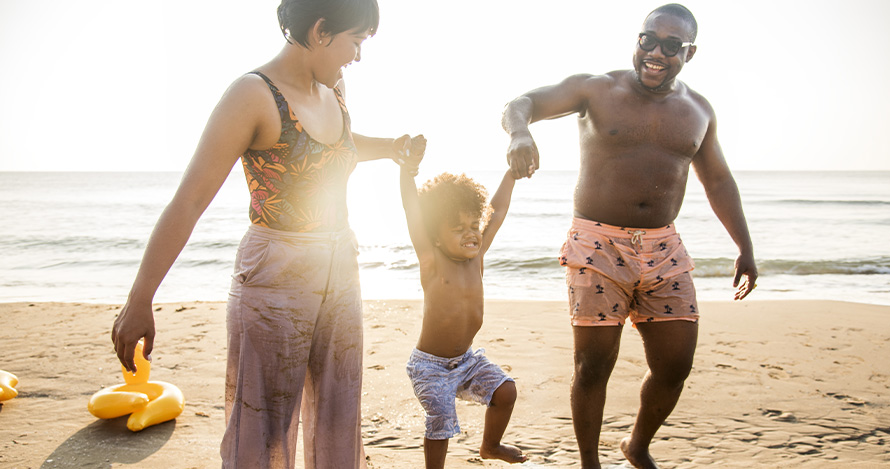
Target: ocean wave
(704, 267)
(723, 267)
(393, 248)
(400, 264)
(869, 203)
(74, 264)
(73, 243)
(522, 265)
(540, 215)
(98, 244)
(124, 264)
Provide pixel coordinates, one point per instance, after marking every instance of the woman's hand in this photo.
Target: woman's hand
(135, 321)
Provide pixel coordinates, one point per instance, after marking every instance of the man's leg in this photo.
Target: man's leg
(670, 347)
(596, 350)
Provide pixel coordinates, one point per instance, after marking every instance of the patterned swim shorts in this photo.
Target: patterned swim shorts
(613, 273)
(438, 381)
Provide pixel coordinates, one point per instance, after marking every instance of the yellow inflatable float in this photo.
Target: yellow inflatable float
(148, 402)
(8, 382)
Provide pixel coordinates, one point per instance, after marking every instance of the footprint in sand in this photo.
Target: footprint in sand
(846, 398)
(779, 415)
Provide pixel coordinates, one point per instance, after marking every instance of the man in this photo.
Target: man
(640, 130)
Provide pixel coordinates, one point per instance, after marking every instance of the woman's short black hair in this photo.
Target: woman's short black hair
(297, 17)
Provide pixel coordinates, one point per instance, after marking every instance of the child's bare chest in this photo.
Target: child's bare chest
(459, 284)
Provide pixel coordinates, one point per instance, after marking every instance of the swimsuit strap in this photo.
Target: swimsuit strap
(280, 102)
(347, 123)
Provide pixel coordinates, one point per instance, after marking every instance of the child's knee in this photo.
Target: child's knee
(504, 395)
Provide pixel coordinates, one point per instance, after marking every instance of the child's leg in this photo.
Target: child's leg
(434, 453)
(497, 416)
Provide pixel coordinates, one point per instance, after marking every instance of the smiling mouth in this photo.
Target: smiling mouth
(470, 244)
(654, 67)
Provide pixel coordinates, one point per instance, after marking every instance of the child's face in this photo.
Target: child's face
(461, 241)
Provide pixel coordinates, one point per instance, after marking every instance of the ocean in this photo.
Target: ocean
(79, 237)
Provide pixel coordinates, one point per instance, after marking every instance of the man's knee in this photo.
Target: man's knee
(596, 351)
(670, 372)
(670, 349)
(592, 372)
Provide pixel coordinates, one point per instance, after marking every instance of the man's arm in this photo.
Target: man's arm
(500, 203)
(723, 195)
(548, 102)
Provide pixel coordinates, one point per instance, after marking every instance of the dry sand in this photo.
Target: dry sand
(775, 384)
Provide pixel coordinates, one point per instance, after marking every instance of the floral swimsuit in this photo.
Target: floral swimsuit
(300, 184)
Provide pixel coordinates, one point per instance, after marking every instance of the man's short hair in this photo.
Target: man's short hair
(675, 9)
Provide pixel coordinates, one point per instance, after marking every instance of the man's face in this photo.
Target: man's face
(656, 71)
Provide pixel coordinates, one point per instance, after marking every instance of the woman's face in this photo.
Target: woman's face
(337, 52)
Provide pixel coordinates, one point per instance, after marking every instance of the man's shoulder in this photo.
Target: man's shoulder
(695, 97)
(612, 77)
(589, 83)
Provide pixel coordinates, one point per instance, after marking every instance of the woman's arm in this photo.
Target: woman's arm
(231, 129)
(396, 149)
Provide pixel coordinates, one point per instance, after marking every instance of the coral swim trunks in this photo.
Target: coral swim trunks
(613, 273)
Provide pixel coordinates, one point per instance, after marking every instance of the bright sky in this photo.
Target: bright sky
(127, 86)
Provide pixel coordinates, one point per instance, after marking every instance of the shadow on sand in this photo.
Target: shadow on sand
(106, 442)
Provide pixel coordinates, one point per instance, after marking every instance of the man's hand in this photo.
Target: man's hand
(522, 155)
(133, 323)
(409, 152)
(744, 266)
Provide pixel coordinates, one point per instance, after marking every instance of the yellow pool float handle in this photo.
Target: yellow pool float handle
(8, 382)
(143, 368)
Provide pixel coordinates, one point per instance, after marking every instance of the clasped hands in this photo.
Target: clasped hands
(409, 152)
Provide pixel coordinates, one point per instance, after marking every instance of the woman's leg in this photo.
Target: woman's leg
(270, 330)
(332, 397)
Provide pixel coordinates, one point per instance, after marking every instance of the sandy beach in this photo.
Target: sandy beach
(775, 384)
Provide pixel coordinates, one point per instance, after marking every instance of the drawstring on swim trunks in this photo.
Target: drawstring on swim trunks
(636, 236)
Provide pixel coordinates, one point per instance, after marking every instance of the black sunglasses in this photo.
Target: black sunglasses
(669, 47)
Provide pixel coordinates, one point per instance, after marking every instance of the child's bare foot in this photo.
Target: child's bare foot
(508, 453)
(638, 458)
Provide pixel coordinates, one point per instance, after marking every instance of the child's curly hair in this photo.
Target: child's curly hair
(444, 197)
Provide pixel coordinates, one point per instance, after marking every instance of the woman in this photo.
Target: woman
(294, 311)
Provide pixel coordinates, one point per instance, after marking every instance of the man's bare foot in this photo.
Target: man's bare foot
(508, 453)
(637, 457)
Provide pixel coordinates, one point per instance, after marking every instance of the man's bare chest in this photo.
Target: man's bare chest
(678, 129)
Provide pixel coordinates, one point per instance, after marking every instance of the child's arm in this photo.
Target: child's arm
(499, 205)
(423, 247)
